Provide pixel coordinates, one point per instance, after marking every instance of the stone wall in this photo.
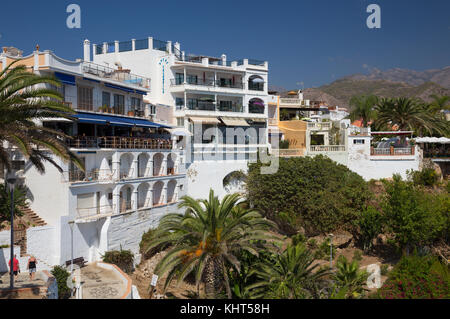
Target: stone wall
(125, 231)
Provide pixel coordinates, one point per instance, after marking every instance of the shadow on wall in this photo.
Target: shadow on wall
(3, 261)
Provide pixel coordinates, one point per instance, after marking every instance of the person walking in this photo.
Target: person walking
(15, 269)
(32, 262)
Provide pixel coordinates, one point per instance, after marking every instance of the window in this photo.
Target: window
(179, 102)
(180, 121)
(106, 99)
(135, 104)
(85, 98)
(225, 82)
(359, 142)
(119, 104)
(192, 79)
(226, 106)
(152, 109)
(179, 78)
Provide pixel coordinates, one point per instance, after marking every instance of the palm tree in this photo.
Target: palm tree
(290, 275)
(409, 114)
(440, 103)
(363, 108)
(206, 240)
(24, 100)
(350, 278)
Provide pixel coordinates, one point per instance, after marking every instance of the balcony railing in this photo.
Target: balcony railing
(127, 174)
(327, 148)
(123, 76)
(393, 151)
(209, 83)
(103, 175)
(95, 211)
(324, 126)
(288, 153)
(119, 143)
(203, 106)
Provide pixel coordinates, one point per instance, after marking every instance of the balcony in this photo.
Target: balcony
(208, 83)
(123, 76)
(327, 148)
(95, 212)
(126, 206)
(393, 151)
(119, 143)
(288, 152)
(96, 175)
(323, 126)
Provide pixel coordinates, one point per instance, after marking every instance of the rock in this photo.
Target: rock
(343, 240)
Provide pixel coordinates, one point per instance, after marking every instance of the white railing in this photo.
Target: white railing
(288, 152)
(393, 151)
(95, 175)
(97, 211)
(327, 148)
(320, 126)
(291, 101)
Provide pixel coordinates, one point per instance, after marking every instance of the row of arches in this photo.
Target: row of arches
(146, 165)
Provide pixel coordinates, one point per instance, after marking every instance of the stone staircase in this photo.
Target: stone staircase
(33, 217)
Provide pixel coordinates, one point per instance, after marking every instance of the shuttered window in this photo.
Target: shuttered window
(85, 98)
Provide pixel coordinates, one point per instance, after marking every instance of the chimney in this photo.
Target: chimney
(87, 50)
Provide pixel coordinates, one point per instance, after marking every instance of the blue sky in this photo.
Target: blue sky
(309, 41)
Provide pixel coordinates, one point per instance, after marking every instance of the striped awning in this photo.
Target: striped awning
(234, 121)
(205, 120)
(258, 120)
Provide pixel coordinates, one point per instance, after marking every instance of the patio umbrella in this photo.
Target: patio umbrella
(258, 80)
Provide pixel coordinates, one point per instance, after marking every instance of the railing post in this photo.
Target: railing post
(392, 150)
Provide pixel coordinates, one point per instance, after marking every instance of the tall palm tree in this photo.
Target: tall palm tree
(409, 114)
(440, 103)
(291, 275)
(363, 108)
(206, 240)
(24, 100)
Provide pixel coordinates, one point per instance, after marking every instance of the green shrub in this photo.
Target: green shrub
(61, 275)
(357, 256)
(384, 270)
(348, 276)
(416, 277)
(298, 239)
(415, 217)
(323, 251)
(426, 177)
(314, 193)
(370, 225)
(122, 259)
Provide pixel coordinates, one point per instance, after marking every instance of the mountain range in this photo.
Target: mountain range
(390, 83)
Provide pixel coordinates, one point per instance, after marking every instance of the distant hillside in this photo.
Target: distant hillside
(390, 83)
(415, 78)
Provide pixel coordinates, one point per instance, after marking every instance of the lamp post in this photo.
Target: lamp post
(11, 180)
(331, 251)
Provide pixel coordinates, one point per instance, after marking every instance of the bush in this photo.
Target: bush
(61, 275)
(370, 223)
(314, 193)
(417, 277)
(415, 217)
(122, 259)
(143, 245)
(426, 177)
(384, 270)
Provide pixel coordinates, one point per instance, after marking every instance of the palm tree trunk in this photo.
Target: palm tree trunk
(213, 283)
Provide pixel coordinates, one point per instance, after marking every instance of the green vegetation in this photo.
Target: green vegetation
(363, 107)
(20, 198)
(314, 193)
(425, 177)
(290, 275)
(415, 218)
(370, 224)
(122, 259)
(23, 99)
(61, 275)
(207, 239)
(350, 278)
(417, 277)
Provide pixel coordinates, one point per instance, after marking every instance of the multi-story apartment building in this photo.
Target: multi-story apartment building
(135, 172)
(219, 106)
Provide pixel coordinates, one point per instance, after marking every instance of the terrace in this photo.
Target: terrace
(116, 142)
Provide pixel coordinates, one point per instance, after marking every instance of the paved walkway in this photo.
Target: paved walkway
(23, 281)
(99, 283)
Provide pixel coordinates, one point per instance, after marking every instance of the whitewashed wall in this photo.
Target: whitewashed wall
(5, 238)
(5, 255)
(41, 243)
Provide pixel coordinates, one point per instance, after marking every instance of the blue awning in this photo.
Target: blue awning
(91, 118)
(65, 78)
(125, 89)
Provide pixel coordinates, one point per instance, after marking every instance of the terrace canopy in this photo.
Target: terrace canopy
(90, 118)
(433, 140)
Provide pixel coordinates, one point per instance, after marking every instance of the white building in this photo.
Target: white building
(134, 173)
(208, 99)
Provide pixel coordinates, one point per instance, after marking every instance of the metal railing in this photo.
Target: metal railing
(120, 143)
(159, 45)
(237, 108)
(327, 148)
(202, 106)
(95, 211)
(125, 46)
(288, 152)
(256, 62)
(256, 86)
(291, 101)
(141, 44)
(116, 75)
(393, 151)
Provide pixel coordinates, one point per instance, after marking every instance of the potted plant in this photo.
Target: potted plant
(130, 113)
